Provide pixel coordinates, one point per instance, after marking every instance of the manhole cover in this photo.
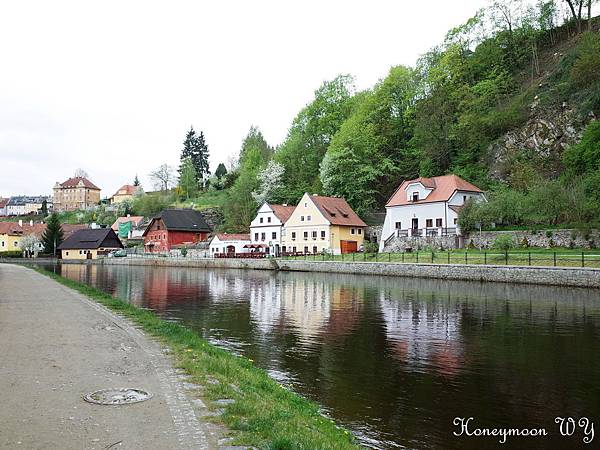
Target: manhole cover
(123, 396)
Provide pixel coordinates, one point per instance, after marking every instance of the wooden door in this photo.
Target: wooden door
(348, 246)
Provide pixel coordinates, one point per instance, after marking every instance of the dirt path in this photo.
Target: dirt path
(56, 346)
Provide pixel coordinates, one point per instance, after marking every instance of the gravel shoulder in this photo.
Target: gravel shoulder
(56, 346)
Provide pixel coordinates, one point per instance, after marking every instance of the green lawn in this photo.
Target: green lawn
(518, 257)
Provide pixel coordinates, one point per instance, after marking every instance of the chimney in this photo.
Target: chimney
(20, 222)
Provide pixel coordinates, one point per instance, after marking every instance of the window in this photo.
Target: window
(261, 220)
(360, 231)
(429, 223)
(262, 236)
(306, 235)
(305, 205)
(67, 253)
(315, 249)
(269, 219)
(256, 236)
(15, 243)
(464, 198)
(308, 218)
(294, 249)
(301, 218)
(274, 235)
(294, 237)
(352, 231)
(323, 234)
(415, 197)
(305, 249)
(438, 222)
(314, 234)
(398, 225)
(2, 243)
(455, 221)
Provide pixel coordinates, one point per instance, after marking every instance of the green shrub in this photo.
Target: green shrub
(504, 242)
(184, 251)
(12, 254)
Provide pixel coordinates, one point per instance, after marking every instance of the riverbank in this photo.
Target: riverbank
(57, 346)
(538, 275)
(258, 409)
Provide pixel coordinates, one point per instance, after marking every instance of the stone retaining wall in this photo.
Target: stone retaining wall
(543, 239)
(554, 276)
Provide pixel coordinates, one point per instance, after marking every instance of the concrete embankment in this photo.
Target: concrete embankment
(553, 276)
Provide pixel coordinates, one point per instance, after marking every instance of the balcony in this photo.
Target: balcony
(425, 232)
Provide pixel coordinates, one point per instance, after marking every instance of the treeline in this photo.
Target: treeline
(435, 118)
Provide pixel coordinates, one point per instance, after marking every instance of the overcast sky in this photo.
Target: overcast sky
(112, 87)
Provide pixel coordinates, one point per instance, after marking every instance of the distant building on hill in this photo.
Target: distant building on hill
(74, 194)
(21, 205)
(173, 227)
(125, 192)
(3, 203)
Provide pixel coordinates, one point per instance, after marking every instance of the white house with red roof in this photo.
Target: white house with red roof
(267, 227)
(427, 207)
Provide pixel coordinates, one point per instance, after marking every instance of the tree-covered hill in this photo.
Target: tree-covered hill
(503, 102)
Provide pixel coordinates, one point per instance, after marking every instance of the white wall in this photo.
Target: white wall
(419, 188)
(218, 246)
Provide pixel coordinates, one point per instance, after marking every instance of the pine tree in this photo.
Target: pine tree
(195, 147)
(221, 171)
(53, 236)
(136, 181)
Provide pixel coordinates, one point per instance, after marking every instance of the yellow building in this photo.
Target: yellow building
(89, 244)
(74, 194)
(125, 192)
(323, 224)
(10, 236)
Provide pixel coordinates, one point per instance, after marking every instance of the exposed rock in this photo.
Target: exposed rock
(541, 141)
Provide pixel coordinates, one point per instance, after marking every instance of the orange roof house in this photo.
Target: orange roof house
(427, 207)
(323, 224)
(125, 192)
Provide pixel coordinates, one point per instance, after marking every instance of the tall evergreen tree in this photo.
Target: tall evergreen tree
(53, 236)
(221, 171)
(195, 147)
(136, 181)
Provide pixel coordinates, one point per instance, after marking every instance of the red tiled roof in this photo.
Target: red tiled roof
(73, 182)
(37, 229)
(10, 228)
(233, 236)
(137, 221)
(3, 202)
(68, 228)
(128, 188)
(337, 211)
(443, 188)
(283, 212)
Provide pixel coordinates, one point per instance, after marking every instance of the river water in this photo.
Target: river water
(393, 359)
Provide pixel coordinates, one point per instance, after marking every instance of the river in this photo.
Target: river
(393, 359)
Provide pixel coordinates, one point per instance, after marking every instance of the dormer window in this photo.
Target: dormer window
(261, 220)
(415, 197)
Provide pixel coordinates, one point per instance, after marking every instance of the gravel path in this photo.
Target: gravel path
(56, 346)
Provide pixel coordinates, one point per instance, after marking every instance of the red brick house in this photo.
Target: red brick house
(174, 227)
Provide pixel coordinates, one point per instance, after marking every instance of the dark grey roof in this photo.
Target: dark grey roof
(91, 239)
(182, 220)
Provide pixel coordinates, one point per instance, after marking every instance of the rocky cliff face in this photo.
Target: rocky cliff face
(540, 142)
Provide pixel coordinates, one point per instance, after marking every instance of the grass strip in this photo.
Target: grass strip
(265, 414)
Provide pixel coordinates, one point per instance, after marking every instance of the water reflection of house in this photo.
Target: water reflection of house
(166, 287)
(346, 308)
(422, 334)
